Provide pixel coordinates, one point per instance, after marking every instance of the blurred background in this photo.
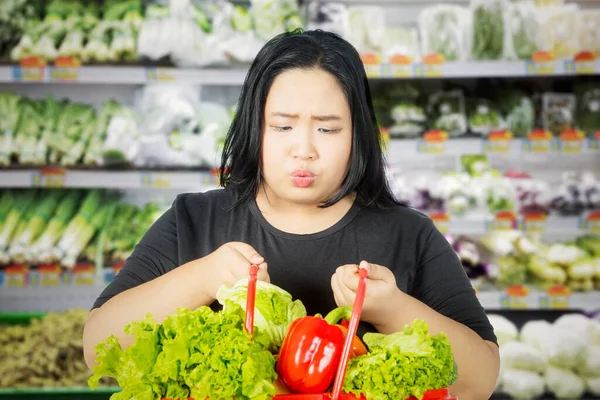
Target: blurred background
(489, 110)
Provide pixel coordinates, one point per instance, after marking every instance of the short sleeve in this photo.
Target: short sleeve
(155, 255)
(442, 283)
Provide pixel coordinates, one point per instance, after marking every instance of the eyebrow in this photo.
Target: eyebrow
(323, 118)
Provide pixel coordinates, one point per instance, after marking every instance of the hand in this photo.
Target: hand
(230, 263)
(382, 294)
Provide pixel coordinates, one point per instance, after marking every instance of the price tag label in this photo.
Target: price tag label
(156, 74)
(49, 178)
(84, 275)
(590, 223)
(585, 63)
(535, 222)
(401, 66)
(572, 141)
(595, 141)
(542, 63)
(433, 66)
(515, 298)
(504, 220)
(158, 180)
(433, 142)
(16, 276)
(538, 141)
(66, 69)
(441, 221)
(498, 142)
(556, 298)
(373, 67)
(31, 69)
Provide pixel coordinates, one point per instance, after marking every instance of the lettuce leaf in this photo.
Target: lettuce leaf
(199, 354)
(274, 308)
(404, 364)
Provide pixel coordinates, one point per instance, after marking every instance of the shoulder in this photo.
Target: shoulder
(202, 202)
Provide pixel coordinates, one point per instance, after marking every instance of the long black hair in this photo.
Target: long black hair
(240, 162)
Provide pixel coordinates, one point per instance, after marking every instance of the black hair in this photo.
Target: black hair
(240, 162)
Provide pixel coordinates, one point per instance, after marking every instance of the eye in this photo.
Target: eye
(329, 131)
(282, 128)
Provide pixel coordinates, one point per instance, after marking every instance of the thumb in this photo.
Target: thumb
(247, 252)
(376, 272)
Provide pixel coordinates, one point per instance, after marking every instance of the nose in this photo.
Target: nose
(304, 148)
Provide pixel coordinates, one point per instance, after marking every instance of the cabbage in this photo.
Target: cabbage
(563, 383)
(274, 308)
(522, 385)
(506, 331)
(516, 355)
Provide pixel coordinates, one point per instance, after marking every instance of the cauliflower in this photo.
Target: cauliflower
(522, 385)
(504, 329)
(584, 327)
(517, 355)
(564, 384)
(561, 347)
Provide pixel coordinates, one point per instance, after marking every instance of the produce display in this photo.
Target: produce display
(168, 126)
(208, 354)
(65, 226)
(47, 352)
(561, 358)
(504, 258)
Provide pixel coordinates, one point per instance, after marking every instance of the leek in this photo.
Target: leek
(93, 153)
(69, 128)
(28, 130)
(9, 117)
(14, 221)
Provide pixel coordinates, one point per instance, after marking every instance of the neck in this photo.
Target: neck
(300, 218)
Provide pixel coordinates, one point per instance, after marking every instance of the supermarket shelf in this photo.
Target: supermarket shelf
(398, 148)
(64, 297)
(539, 300)
(58, 177)
(139, 75)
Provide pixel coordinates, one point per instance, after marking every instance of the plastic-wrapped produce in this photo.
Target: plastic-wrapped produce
(443, 30)
(524, 29)
(506, 331)
(367, 28)
(576, 193)
(407, 114)
(484, 118)
(560, 29)
(517, 355)
(533, 195)
(563, 383)
(589, 32)
(403, 41)
(490, 34)
(588, 107)
(328, 16)
(448, 112)
(518, 111)
(558, 112)
(522, 385)
(272, 17)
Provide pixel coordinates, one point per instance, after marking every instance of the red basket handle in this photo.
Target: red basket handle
(250, 299)
(352, 328)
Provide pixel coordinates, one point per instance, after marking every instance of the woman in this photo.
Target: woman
(305, 192)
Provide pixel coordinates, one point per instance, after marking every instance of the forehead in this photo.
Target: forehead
(312, 90)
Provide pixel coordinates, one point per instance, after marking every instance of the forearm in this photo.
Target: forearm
(478, 360)
(180, 288)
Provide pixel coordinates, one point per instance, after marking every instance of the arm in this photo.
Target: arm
(152, 282)
(443, 296)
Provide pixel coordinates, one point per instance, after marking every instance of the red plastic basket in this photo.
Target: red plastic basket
(336, 394)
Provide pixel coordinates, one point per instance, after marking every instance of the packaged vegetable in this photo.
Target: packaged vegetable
(401, 41)
(558, 112)
(484, 118)
(272, 17)
(443, 30)
(589, 31)
(327, 16)
(560, 29)
(522, 385)
(518, 111)
(192, 354)
(491, 35)
(274, 308)
(524, 28)
(367, 28)
(588, 107)
(407, 114)
(448, 112)
(395, 365)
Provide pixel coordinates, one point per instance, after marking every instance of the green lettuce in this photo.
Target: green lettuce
(274, 309)
(404, 364)
(199, 354)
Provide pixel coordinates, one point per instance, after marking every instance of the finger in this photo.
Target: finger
(263, 274)
(345, 295)
(350, 277)
(376, 272)
(248, 252)
(337, 293)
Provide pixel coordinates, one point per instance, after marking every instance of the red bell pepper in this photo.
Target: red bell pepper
(310, 355)
(344, 314)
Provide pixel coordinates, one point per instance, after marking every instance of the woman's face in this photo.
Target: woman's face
(307, 137)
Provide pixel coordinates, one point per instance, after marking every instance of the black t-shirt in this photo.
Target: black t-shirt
(402, 239)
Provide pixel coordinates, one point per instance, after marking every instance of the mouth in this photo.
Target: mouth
(302, 178)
